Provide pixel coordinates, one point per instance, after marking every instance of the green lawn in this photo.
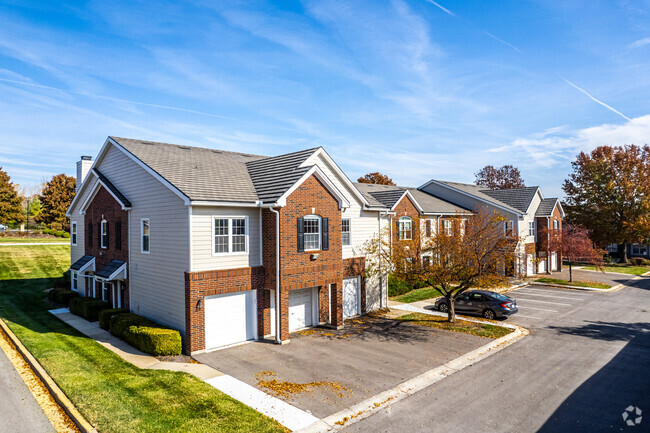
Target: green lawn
(11, 240)
(113, 395)
(623, 269)
(418, 295)
(574, 283)
(478, 329)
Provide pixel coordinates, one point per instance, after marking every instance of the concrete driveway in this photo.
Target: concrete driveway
(323, 371)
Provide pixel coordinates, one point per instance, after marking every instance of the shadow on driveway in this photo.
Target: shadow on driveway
(368, 356)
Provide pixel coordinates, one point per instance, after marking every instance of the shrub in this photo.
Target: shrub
(63, 297)
(154, 340)
(66, 235)
(637, 261)
(105, 316)
(61, 284)
(397, 287)
(88, 308)
(51, 295)
(120, 323)
(75, 305)
(608, 259)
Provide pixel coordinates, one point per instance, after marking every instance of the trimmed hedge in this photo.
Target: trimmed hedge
(145, 335)
(397, 287)
(154, 341)
(64, 297)
(88, 308)
(106, 315)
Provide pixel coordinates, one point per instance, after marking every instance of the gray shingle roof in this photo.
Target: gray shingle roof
(519, 198)
(81, 262)
(200, 174)
(383, 196)
(273, 176)
(114, 190)
(365, 188)
(546, 207)
(479, 192)
(433, 204)
(108, 270)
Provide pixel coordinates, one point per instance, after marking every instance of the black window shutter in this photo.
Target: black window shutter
(89, 236)
(301, 234)
(118, 235)
(107, 232)
(99, 234)
(428, 227)
(397, 224)
(325, 242)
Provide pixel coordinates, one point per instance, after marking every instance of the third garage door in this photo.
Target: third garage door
(351, 297)
(300, 309)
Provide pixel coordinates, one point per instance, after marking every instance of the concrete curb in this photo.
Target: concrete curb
(382, 400)
(56, 392)
(588, 289)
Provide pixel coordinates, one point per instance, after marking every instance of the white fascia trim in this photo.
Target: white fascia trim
(124, 207)
(413, 200)
(225, 203)
(148, 169)
(514, 211)
(463, 213)
(316, 171)
(114, 274)
(559, 205)
(320, 151)
(376, 209)
(79, 193)
(541, 196)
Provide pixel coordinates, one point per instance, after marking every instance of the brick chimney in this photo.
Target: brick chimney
(83, 167)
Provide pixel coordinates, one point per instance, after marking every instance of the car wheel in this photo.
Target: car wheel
(443, 308)
(489, 314)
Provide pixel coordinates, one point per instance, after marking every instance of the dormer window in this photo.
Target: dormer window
(405, 229)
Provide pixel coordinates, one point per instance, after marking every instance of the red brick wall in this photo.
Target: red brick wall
(406, 208)
(104, 206)
(198, 285)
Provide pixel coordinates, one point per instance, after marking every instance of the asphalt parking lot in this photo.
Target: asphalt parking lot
(540, 305)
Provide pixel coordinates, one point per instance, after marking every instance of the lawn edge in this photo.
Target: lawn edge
(588, 289)
(56, 392)
(368, 407)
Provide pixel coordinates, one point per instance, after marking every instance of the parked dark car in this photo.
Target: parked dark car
(484, 303)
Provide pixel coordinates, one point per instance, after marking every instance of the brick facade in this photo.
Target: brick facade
(199, 285)
(543, 249)
(105, 207)
(405, 207)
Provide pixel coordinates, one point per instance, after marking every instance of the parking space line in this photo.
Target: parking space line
(550, 296)
(545, 302)
(529, 317)
(534, 289)
(540, 309)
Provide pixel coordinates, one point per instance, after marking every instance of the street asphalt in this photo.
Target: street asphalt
(586, 360)
(19, 412)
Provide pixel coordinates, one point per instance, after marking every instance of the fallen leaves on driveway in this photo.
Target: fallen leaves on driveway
(289, 389)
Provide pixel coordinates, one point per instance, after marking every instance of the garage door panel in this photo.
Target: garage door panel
(300, 309)
(351, 297)
(230, 319)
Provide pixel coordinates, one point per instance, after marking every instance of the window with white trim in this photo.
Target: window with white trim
(73, 233)
(446, 227)
(75, 280)
(105, 288)
(638, 249)
(145, 235)
(556, 225)
(104, 236)
(405, 229)
(508, 227)
(345, 232)
(230, 235)
(531, 228)
(312, 232)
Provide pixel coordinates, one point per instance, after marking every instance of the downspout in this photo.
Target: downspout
(384, 293)
(277, 275)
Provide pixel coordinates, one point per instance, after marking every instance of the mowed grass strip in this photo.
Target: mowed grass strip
(418, 295)
(591, 284)
(112, 394)
(17, 240)
(621, 269)
(439, 322)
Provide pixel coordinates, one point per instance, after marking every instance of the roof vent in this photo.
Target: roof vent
(184, 147)
(217, 151)
(150, 143)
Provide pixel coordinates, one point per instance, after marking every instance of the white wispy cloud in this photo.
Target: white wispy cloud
(640, 43)
(445, 10)
(593, 98)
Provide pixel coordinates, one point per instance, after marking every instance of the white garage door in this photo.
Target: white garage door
(351, 297)
(230, 319)
(554, 261)
(530, 265)
(300, 309)
(542, 266)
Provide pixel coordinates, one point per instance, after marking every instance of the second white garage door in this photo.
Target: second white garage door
(230, 319)
(351, 297)
(300, 309)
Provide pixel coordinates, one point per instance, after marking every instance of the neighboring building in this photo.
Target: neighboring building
(633, 250)
(526, 210)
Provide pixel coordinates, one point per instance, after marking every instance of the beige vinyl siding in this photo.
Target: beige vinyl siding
(202, 257)
(523, 224)
(157, 279)
(78, 251)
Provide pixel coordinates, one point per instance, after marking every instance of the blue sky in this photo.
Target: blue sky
(415, 89)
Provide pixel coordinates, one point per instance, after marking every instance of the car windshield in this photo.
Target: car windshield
(499, 297)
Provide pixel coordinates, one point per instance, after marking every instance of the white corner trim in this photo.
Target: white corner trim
(148, 169)
(320, 175)
(189, 233)
(330, 161)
